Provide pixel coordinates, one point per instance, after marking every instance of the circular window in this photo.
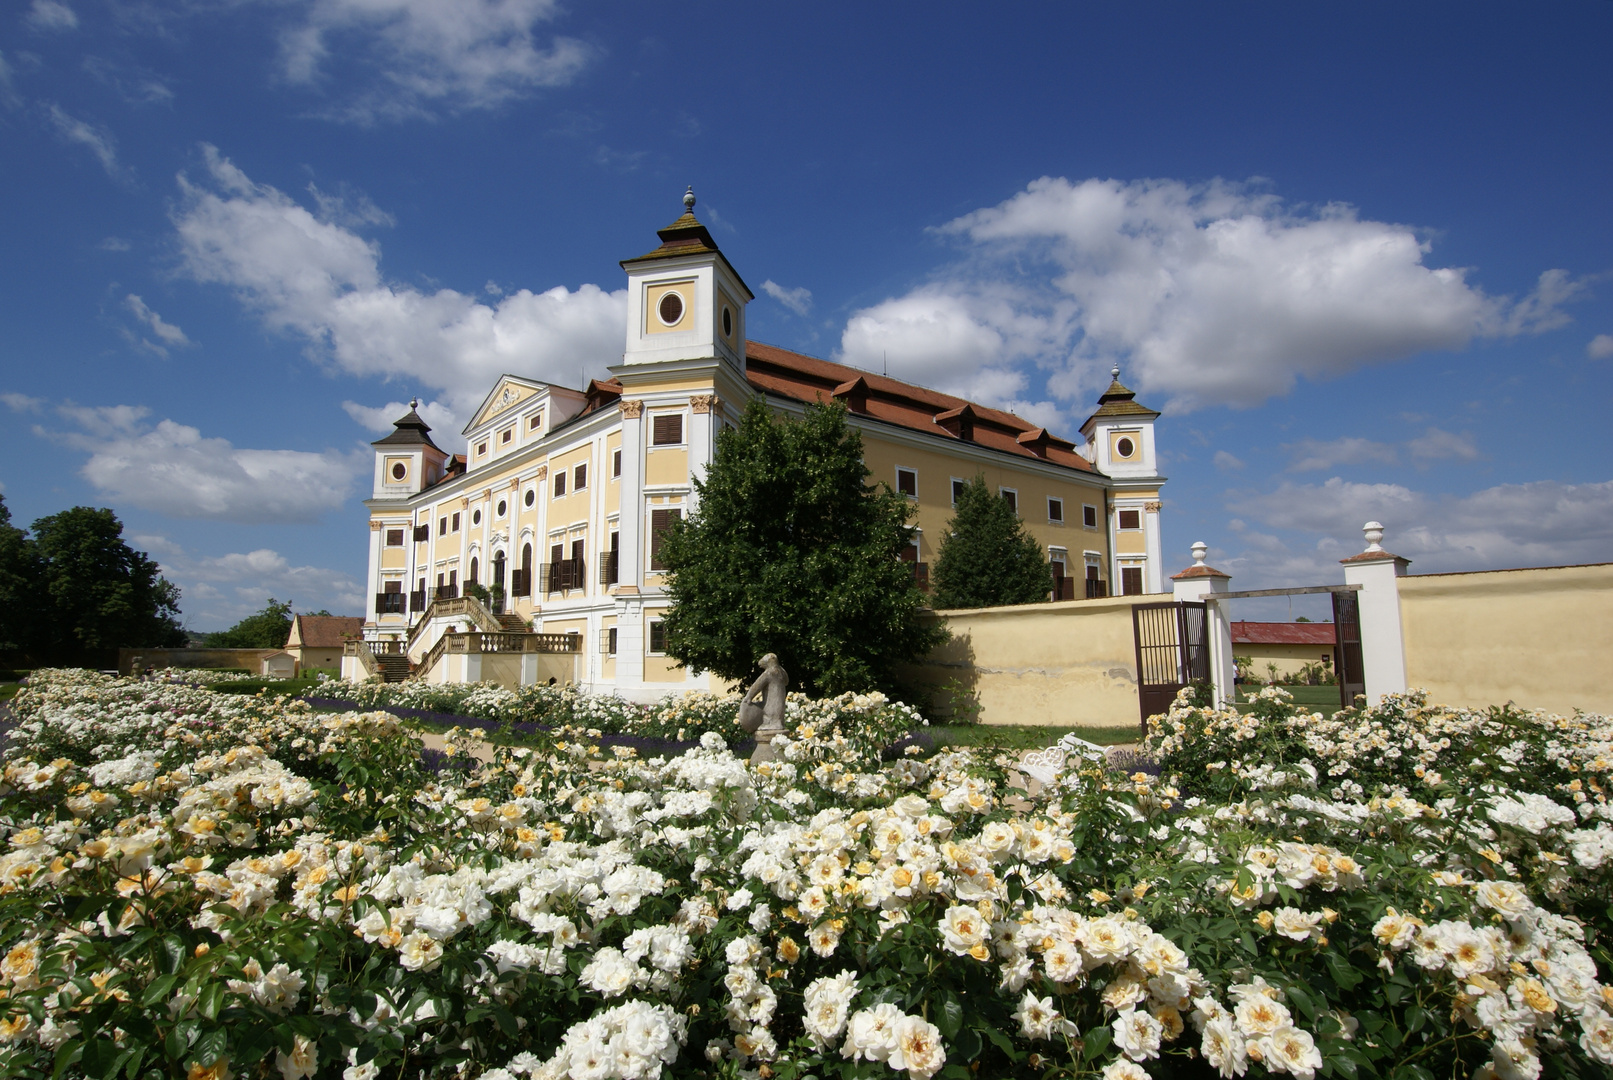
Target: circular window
(476, 517)
(670, 308)
(399, 471)
(727, 323)
(530, 496)
(502, 507)
(1125, 448)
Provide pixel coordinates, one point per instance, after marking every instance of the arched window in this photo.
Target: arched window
(472, 576)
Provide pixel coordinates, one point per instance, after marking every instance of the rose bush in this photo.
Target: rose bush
(212, 886)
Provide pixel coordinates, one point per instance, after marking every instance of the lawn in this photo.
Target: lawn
(8, 690)
(1029, 736)
(1322, 699)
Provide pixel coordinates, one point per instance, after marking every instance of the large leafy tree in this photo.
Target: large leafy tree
(99, 592)
(792, 552)
(987, 558)
(265, 629)
(22, 615)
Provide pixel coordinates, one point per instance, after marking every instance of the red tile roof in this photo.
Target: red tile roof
(806, 378)
(326, 631)
(1283, 633)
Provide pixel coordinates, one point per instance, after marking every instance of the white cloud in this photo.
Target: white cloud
(1601, 347)
(974, 343)
(1437, 445)
(21, 402)
(51, 15)
(96, 140)
(1540, 523)
(1209, 294)
(166, 333)
(323, 282)
(426, 54)
(798, 300)
(136, 86)
(8, 94)
(172, 469)
(218, 591)
(380, 419)
(1313, 454)
(1224, 460)
(115, 243)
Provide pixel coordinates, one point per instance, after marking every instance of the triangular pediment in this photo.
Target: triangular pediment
(507, 395)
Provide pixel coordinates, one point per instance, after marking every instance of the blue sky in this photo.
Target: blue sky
(1359, 254)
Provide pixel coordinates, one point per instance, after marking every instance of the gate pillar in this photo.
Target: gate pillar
(1201, 582)
(1383, 648)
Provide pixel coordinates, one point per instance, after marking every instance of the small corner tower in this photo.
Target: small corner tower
(684, 300)
(1120, 442)
(407, 461)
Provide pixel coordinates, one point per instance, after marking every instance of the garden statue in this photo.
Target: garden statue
(764, 718)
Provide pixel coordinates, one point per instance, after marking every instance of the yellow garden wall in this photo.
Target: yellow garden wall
(1070, 663)
(1541, 638)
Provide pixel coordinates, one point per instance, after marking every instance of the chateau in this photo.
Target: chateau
(557, 506)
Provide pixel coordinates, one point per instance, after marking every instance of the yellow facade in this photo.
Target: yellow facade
(1540, 638)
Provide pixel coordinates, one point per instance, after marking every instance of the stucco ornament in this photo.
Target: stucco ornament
(761, 710)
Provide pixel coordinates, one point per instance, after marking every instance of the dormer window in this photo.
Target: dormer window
(481, 448)
(505, 436)
(534, 422)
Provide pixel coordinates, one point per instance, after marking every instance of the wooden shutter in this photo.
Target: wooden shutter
(668, 430)
(660, 521)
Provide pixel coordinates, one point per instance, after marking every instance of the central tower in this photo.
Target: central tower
(684, 300)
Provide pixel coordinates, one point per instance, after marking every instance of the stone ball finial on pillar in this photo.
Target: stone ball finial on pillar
(1200, 550)
(1373, 532)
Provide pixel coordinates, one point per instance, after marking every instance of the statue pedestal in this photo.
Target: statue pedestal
(765, 750)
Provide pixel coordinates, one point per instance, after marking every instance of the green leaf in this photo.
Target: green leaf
(211, 1000)
(1097, 1041)
(949, 1014)
(173, 952)
(211, 1046)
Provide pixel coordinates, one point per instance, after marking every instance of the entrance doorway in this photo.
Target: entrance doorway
(1172, 651)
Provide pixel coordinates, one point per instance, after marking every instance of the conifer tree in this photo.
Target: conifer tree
(987, 558)
(792, 552)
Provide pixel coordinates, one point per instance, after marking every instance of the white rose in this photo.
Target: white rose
(1137, 1034)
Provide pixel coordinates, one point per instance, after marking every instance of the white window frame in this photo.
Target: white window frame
(1001, 491)
(953, 487)
(1142, 519)
(1084, 508)
(1051, 520)
(914, 473)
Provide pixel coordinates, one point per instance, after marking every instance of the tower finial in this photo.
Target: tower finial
(414, 403)
(1114, 372)
(688, 200)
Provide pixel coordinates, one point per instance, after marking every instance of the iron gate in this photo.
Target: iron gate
(1172, 651)
(1347, 666)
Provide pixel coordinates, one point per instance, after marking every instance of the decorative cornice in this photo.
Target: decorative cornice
(632, 408)
(375, 526)
(464, 502)
(705, 403)
(515, 483)
(542, 474)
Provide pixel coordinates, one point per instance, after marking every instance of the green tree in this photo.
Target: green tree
(266, 629)
(792, 552)
(102, 594)
(23, 615)
(987, 558)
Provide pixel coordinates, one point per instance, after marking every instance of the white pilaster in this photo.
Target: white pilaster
(1383, 647)
(1154, 569)
(1201, 582)
(630, 560)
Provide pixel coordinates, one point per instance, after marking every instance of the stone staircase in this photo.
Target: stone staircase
(513, 624)
(393, 667)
